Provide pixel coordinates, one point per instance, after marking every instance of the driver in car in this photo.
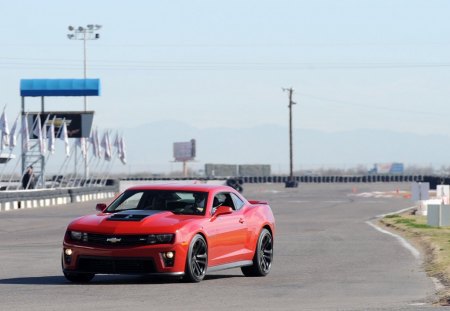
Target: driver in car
(199, 203)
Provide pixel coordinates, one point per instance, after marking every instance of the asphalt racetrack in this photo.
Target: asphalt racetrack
(327, 257)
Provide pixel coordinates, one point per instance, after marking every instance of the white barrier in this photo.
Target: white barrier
(15, 202)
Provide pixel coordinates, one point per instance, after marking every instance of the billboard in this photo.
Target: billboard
(78, 124)
(184, 151)
(387, 168)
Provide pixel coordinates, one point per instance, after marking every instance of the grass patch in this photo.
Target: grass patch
(434, 242)
(392, 216)
(412, 223)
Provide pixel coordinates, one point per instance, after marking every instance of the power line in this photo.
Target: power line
(10, 62)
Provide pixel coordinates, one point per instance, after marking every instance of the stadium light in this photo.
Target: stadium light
(90, 32)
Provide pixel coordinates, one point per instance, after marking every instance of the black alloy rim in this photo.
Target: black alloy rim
(199, 258)
(266, 253)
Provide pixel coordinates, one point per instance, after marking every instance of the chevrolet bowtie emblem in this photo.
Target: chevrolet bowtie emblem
(113, 240)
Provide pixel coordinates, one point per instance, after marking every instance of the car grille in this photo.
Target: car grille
(116, 265)
(115, 240)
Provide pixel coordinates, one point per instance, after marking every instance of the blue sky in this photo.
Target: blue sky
(377, 64)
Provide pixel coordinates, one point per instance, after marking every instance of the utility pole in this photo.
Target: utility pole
(291, 183)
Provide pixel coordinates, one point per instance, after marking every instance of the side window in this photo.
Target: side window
(223, 198)
(238, 203)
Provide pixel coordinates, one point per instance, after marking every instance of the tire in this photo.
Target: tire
(197, 260)
(79, 277)
(262, 260)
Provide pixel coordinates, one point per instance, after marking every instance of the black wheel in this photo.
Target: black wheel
(262, 261)
(79, 277)
(197, 260)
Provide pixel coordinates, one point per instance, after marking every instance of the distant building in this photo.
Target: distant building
(227, 170)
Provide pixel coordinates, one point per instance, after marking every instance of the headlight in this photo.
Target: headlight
(79, 236)
(160, 238)
(76, 235)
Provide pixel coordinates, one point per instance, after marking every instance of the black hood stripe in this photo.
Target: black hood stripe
(133, 215)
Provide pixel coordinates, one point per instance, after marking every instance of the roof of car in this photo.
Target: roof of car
(182, 187)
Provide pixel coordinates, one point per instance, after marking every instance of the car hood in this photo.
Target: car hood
(131, 222)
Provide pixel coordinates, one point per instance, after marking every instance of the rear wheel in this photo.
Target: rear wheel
(197, 260)
(262, 260)
(79, 277)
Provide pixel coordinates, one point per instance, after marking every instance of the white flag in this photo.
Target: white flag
(44, 138)
(123, 155)
(38, 132)
(107, 146)
(5, 130)
(51, 137)
(117, 145)
(94, 142)
(25, 134)
(64, 136)
(81, 142)
(97, 143)
(13, 135)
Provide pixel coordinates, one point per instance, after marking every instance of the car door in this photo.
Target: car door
(227, 233)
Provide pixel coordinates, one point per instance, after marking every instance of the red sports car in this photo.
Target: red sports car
(173, 230)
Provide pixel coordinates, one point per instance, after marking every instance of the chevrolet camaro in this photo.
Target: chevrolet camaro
(177, 230)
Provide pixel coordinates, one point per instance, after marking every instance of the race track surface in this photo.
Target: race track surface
(326, 258)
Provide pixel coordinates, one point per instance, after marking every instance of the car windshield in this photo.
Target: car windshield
(178, 202)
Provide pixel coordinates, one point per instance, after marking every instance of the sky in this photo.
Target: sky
(354, 64)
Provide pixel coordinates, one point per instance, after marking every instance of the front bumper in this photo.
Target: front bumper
(147, 259)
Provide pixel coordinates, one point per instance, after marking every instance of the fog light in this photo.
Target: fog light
(169, 255)
(68, 255)
(169, 258)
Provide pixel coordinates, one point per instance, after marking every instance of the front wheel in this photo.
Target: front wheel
(262, 260)
(197, 260)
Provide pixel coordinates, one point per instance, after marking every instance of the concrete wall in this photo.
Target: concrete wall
(222, 170)
(22, 199)
(254, 170)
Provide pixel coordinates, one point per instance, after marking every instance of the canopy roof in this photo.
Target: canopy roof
(59, 87)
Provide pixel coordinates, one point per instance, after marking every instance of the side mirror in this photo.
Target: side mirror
(100, 207)
(223, 210)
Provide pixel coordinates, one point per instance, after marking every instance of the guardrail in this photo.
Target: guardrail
(433, 180)
(21, 199)
(301, 179)
(335, 179)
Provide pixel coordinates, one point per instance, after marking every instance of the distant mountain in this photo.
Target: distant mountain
(150, 147)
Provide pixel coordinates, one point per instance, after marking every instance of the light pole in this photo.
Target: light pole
(90, 32)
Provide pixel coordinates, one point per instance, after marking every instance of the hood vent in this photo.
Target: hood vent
(136, 215)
